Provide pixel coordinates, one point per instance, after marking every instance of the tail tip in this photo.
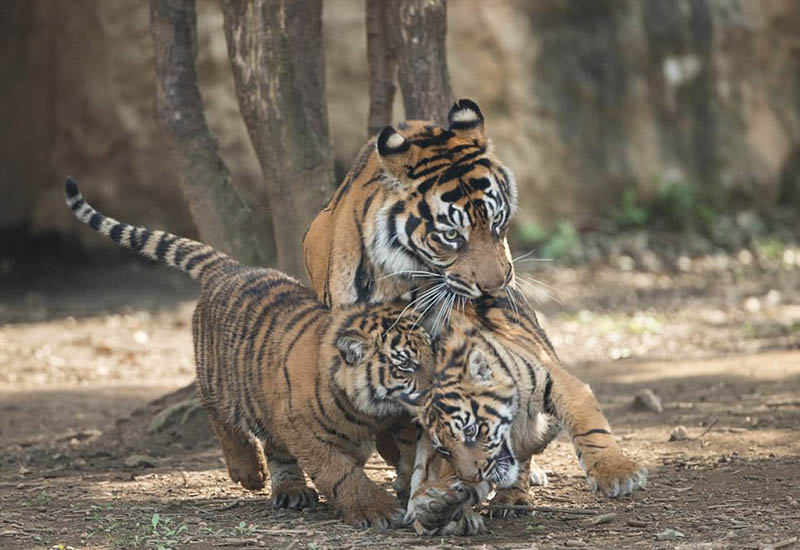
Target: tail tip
(71, 188)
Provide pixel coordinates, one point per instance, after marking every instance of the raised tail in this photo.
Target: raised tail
(194, 258)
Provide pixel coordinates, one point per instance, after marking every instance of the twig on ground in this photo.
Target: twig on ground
(598, 520)
(548, 509)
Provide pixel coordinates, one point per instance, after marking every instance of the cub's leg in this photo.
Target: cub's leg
(243, 455)
(607, 468)
(537, 476)
(396, 444)
(288, 484)
(341, 479)
(516, 495)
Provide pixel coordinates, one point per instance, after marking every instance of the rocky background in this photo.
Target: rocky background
(597, 105)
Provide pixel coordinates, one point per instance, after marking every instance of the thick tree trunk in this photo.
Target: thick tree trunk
(221, 216)
(420, 44)
(275, 48)
(382, 66)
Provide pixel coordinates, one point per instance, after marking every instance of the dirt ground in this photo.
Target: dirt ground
(83, 351)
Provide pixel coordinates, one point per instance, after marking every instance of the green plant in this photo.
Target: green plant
(682, 206)
(162, 535)
(243, 528)
(630, 215)
(563, 244)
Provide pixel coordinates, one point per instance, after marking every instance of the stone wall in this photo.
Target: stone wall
(583, 99)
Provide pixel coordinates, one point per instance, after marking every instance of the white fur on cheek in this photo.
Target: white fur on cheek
(386, 257)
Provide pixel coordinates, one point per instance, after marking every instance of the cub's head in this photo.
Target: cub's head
(450, 206)
(470, 408)
(383, 364)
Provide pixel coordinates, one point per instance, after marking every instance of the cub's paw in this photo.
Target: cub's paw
(294, 497)
(537, 476)
(615, 476)
(381, 512)
(250, 474)
(465, 522)
(511, 497)
(436, 507)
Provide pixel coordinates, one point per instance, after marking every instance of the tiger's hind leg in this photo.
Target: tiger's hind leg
(243, 455)
(516, 495)
(288, 484)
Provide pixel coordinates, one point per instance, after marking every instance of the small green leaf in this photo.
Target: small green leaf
(154, 520)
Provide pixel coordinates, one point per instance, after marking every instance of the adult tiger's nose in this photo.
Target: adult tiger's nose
(494, 280)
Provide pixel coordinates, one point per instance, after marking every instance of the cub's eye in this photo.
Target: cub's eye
(471, 430)
(450, 234)
(407, 365)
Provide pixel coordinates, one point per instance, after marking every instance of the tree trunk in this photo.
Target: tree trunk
(382, 66)
(275, 48)
(420, 44)
(221, 216)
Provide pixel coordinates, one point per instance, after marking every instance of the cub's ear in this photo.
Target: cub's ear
(478, 367)
(466, 121)
(352, 347)
(394, 151)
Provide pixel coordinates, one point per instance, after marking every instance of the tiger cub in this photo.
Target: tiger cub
(502, 396)
(280, 375)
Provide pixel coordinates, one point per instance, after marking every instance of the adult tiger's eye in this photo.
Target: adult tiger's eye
(450, 234)
(471, 430)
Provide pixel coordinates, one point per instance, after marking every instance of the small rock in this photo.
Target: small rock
(773, 297)
(650, 261)
(625, 263)
(141, 337)
(669, 534)
(752, 304)
(140, 461)
(679, 433)
(684, 263)
(647, 400)
(23, 471)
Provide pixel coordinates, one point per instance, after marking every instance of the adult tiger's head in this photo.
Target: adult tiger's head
(469, 410)
(383, 365)
(450, 206)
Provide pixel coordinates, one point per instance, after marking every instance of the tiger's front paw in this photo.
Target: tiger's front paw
(436, 507)
(251, 474)
(507, 501)
(382, 511)
(294, 497)
(615, 475)
(464, 522)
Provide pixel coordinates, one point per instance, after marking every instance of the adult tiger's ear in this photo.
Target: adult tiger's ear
(394, 151)
(478, 367)
(466, 121)
(352, 347)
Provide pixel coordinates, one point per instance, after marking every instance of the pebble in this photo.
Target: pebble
(669, 534)
(679, 433)
(140, 461)
(647, 400)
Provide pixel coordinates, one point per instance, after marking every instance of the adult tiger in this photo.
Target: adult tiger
(280, 373)
(499, 369)
(421, 203)
(423, 213)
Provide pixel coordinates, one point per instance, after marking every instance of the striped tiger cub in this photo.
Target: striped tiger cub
(289, 385)
(500, 396)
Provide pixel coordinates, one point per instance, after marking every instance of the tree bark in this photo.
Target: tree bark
(420, 44)
(275, 48)
(222, 217)
(382, 66)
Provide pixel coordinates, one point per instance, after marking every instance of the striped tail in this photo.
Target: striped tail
(196, 259)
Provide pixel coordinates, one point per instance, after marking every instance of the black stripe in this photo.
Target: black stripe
(196, 260)
(163, 243)
(116, 232)
(96, 220)
(593, 431)
(548, 404)
(77, 204)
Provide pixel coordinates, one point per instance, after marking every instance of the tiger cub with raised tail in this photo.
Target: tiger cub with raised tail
(290, 386)
(501, 395)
